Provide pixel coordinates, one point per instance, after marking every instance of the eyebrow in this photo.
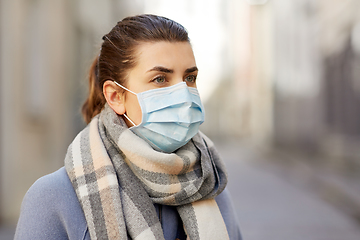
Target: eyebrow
(161, 69)
(190, 70)
(167, 70)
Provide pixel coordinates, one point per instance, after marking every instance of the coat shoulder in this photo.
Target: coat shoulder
(50, 210)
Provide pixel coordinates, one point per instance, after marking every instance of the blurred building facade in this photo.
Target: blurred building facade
(34, 121)
(291, 79)
(317, 77)
(295, 81)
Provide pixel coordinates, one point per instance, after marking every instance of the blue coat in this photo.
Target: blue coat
(51, 210)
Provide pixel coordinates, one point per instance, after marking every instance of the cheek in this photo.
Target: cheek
(133, 109)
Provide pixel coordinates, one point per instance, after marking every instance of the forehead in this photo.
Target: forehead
(173, 55)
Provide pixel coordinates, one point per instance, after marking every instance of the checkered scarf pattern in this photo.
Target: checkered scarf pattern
(118, 177)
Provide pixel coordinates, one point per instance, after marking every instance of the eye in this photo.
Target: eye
(159, 79)
(190, 79)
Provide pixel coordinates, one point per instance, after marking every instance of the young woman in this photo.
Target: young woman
(140, 169)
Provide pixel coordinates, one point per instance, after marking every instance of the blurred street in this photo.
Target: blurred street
(270, 205)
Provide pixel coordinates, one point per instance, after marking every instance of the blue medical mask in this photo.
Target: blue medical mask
(171, 116)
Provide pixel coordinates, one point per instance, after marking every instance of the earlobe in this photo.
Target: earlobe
(113, 97)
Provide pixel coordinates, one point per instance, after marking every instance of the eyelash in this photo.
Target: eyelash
(163, 77)
(159, 77)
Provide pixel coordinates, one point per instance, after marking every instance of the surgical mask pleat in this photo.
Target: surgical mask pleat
(159, 142)
(178, 132)
(174, 114)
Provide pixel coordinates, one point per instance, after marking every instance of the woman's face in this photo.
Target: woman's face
(159, 64)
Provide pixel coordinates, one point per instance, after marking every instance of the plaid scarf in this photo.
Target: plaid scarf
(118, 177)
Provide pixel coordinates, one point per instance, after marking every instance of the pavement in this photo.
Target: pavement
(273, 203)
(276, 202)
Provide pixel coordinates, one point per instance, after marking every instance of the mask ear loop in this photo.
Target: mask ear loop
(129, 120)
(132, 93)
(124, 87)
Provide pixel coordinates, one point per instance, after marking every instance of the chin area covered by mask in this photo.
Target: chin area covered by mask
(171, 116)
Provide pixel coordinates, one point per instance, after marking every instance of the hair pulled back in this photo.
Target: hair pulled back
(117, 54)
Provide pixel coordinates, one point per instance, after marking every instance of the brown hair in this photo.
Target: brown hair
(117, 52)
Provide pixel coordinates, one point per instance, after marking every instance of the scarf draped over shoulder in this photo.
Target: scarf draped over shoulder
(118, 177)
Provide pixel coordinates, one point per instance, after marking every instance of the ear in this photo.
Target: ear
(114, 97)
